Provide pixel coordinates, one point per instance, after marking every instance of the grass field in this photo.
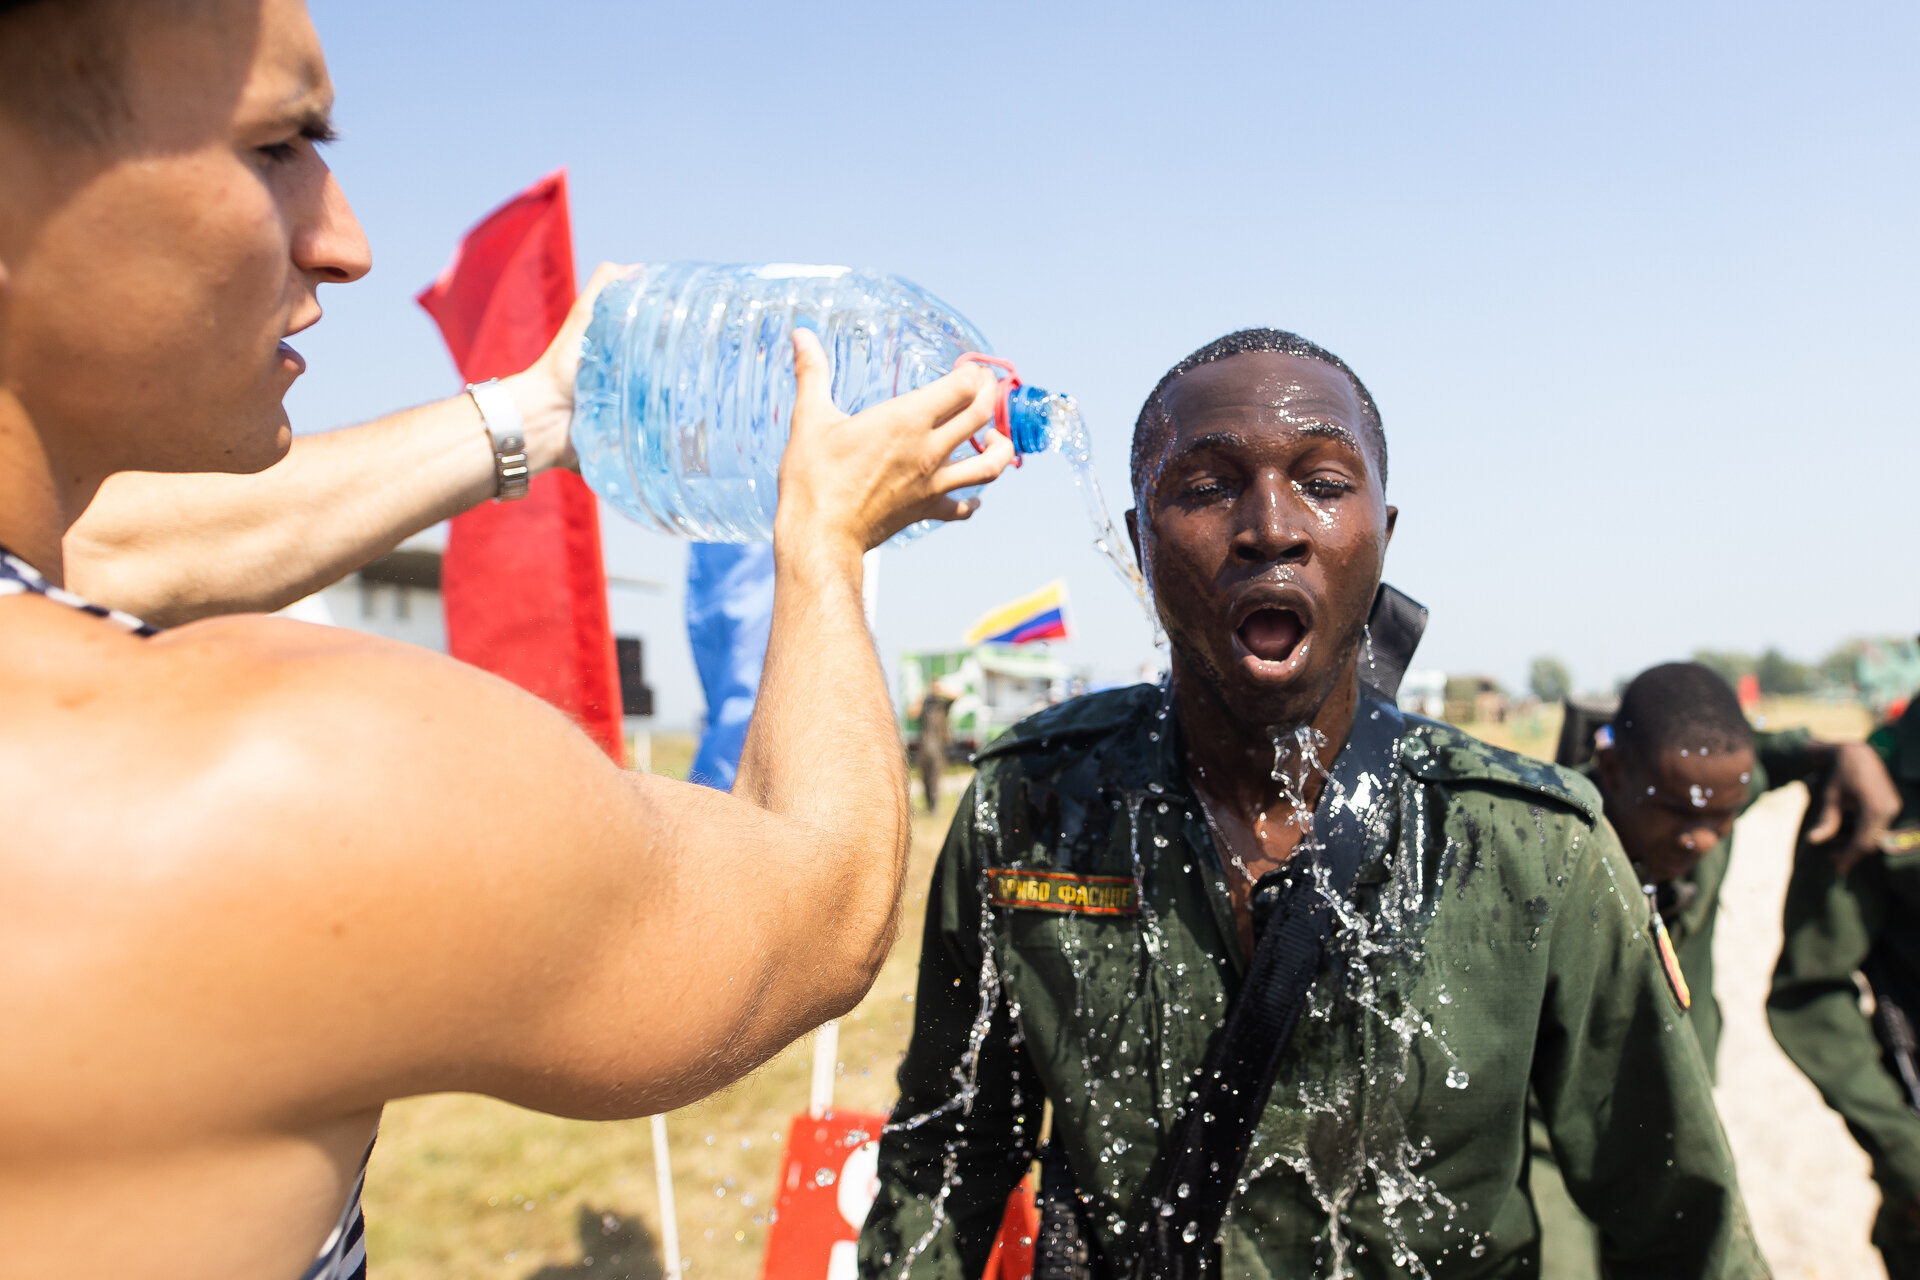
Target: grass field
(466, 1187)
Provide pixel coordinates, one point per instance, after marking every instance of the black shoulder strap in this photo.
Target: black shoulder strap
(1232, 1088)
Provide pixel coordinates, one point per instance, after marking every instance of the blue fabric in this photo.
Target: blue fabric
(729, 612)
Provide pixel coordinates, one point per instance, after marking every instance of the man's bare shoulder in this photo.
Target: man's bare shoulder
(248, 731)
(213, 828)
(68, 680)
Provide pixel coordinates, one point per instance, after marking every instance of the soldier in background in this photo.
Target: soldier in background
(1848, 925)
(936, 738)
(1679, 764)
(1676, 765)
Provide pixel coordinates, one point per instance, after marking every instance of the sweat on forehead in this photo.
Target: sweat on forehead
(1154, 425)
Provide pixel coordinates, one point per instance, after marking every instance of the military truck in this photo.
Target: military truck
(994, 687)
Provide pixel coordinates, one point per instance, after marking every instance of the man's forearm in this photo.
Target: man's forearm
(822, 748)
(173, 548)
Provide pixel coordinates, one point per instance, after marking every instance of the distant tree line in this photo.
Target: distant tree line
(1549, 680)
(1778, 674)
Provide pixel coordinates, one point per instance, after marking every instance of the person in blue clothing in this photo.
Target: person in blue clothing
(729, 613)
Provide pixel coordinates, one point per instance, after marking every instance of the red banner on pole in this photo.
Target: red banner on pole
(523, 582)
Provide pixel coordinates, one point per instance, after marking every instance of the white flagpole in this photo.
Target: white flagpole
(826, 1058)
(663, 1178)
(826, 1040)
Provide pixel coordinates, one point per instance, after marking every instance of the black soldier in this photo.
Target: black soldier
(1676, 764)
(1129, 870)
(1861, 920)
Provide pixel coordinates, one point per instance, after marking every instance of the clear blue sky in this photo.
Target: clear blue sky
(1634, 285)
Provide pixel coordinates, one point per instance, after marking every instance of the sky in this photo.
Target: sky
(1634, 285)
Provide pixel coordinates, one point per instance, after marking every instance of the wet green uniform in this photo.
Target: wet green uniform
(1569, 1245)
(1080, 947)
(1835, 926)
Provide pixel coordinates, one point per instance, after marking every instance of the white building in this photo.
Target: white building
(396, 596)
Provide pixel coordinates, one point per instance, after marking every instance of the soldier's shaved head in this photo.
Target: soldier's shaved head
(1679, 706)
(1152, 428)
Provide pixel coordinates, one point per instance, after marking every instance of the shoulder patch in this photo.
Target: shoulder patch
(1669, 959)
(1436, 752)
(1088, 716)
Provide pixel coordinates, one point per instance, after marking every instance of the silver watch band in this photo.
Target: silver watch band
(501, 417)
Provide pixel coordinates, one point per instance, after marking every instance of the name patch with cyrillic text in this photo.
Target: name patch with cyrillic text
(1058, 891)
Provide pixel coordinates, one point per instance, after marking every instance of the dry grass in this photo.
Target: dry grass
(467, 1187)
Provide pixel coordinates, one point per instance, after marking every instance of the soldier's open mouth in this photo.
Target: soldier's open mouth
(1271, 634)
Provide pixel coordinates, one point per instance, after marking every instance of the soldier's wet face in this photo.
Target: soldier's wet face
(1264, 531)
(1671, 811)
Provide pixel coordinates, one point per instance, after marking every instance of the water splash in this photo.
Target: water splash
(1068, 436)
(1344, 1131)
(1338, 1125)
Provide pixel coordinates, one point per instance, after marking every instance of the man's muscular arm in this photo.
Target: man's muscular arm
(364, 871)
(173, 548)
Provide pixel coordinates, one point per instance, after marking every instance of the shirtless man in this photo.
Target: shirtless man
(264, 877)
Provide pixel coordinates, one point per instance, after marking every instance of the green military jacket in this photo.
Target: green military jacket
(1834, 925)
(1080, 948)
(1777, 759)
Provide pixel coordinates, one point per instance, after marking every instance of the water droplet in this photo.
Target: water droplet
(1456, 1077)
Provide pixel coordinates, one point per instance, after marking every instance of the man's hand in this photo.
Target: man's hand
(1858, 791)
(544, 390)
(859, 480)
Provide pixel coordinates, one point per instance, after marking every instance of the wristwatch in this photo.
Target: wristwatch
(501, 417)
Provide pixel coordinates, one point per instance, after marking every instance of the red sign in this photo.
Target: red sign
(1012, 1256)
(827, 1184)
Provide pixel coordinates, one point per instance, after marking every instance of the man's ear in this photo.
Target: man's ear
(1393, 518)
(1133, 536)
(1606, 769)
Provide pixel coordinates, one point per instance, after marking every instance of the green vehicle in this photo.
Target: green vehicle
(994, 687)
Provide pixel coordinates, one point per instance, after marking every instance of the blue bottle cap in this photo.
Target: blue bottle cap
(1027, 416)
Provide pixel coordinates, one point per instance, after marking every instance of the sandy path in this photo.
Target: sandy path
(1806, 1183)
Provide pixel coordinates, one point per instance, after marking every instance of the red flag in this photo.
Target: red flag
(525, 590)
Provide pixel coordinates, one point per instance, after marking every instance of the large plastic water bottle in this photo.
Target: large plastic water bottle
(686, 384)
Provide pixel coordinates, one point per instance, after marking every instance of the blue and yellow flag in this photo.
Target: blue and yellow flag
(1040, 616)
